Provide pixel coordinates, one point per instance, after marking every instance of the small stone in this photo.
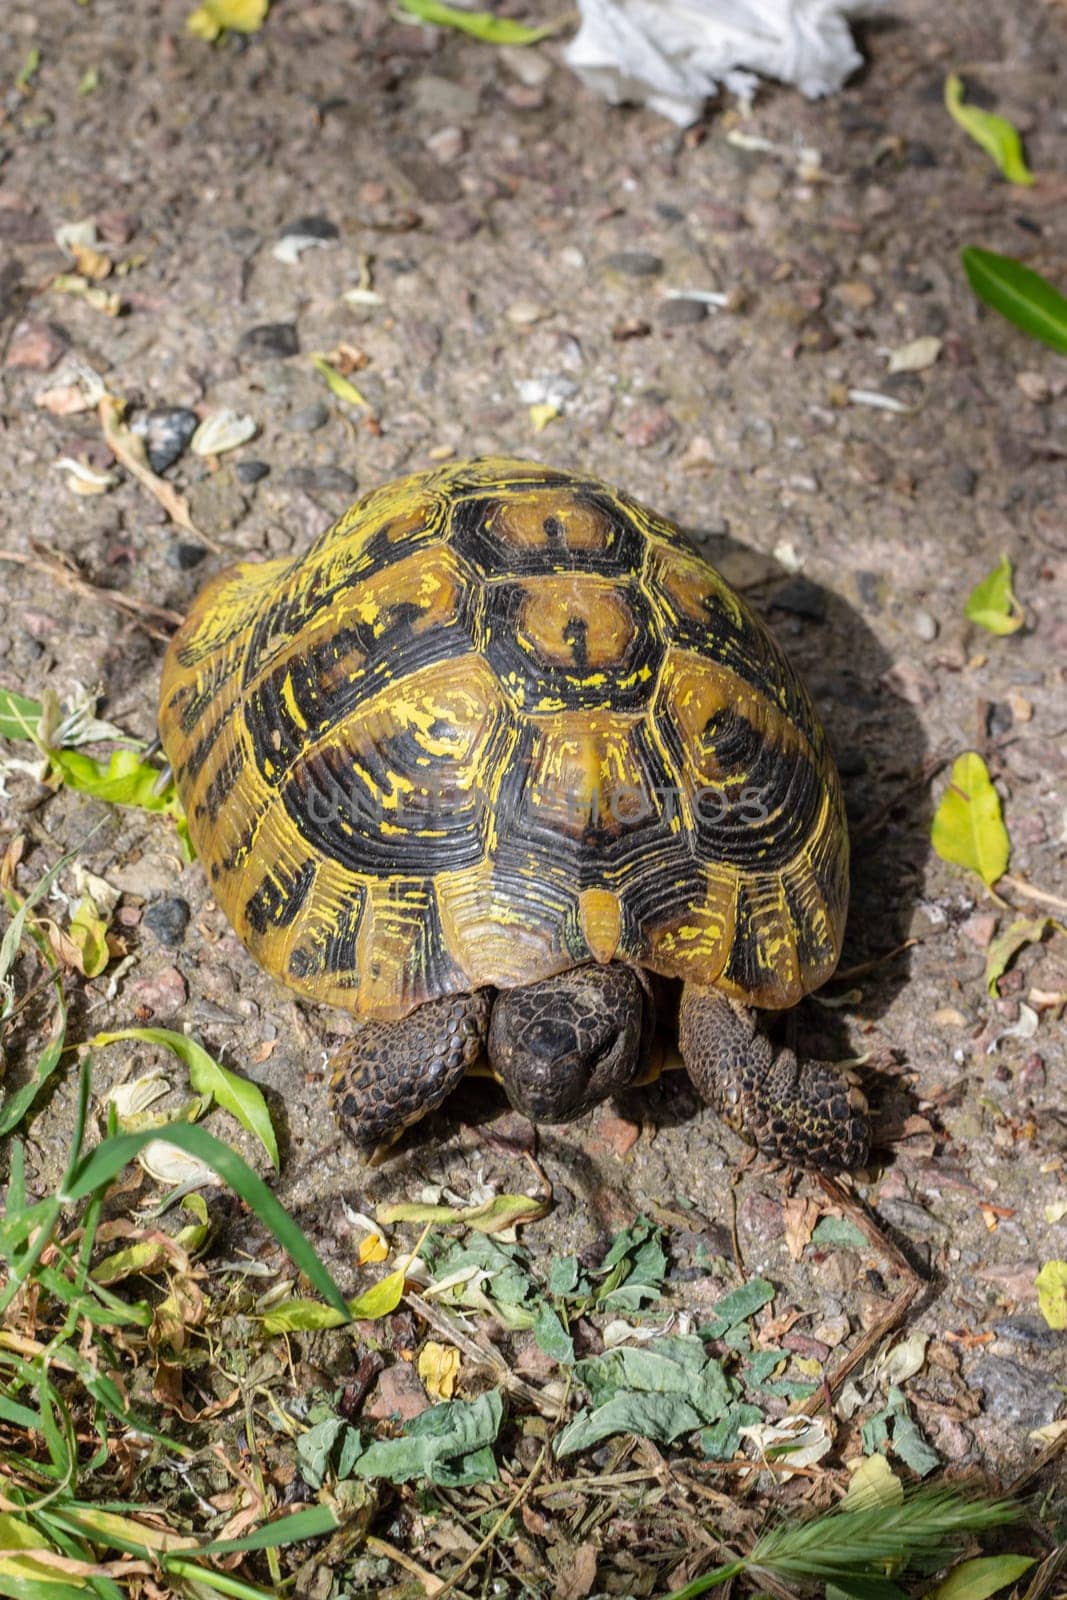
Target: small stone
(1032, 1075)
(630, 328)
(855, 296)
(524, 313)
(168, 920)
(216, 504)
(649, 425)
(36, 346)
(447, 144)
(185, 555)
(979, 929)
(157, 998)
(321, 480)
(874, 464)
(912, 684)
(1035, 386)
(399, 1395)
(308, 418)
(924, 626)
(1019, 1396)
(962, 479)
(681, 313)
(167, 431)
(251, 471)
(635, 264)
(116, 227)
(315, 227)
(801, 597)
(269, 341)
(617, 1134)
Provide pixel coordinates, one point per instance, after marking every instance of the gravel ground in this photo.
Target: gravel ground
(530, 247)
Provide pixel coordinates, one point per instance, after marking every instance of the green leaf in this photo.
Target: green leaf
(996, 135)
(125, 781)
(984, 1575)
(968, 828)
(911, 1447)
(315, 1448)
(338, 384)
(839, 1231)
(242, 1099)
(1024, 297)
(737, 1306)
(19, 715)
(1006, 945)
(720, 1441)
(992, 603)
(294, 1528)
(305, 1316)
(479, 24)
(552, 1337)
(449, 1444)
(1051, 1285)
(102, 1165)
(662, 1417)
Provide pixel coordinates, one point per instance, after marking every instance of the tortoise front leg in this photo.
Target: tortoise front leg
(392, 1073)
(808, 1113)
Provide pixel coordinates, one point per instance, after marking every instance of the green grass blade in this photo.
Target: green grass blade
(1024, 297)
(104, 1164)
(479, 24)
(19, 715)
(309, 1524)
(21, 1102)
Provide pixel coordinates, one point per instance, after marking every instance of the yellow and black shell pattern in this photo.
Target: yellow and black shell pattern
(498, 721)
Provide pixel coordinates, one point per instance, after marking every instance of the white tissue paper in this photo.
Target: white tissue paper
(673, 54)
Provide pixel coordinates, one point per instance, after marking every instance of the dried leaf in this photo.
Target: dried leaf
(542, 414)
(339, 385)
(916, 356)
(968, 828)
(873, 1483)
(221, 431)
(438, 1367)
(491, 1216)
(992, 603)
(996, 135)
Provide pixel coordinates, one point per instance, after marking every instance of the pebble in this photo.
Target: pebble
(856, 296)
(316, 227)
(648, 426)
(801, 597)
(1021, 1396)
(635, 264)
(308, 418)
(979, 929)
(269, 341)
(321, 480)
(924, 626)
(167, 431)
(185, 555)
(36, 346)
(168, 919)
(524, 313)
(157, 998)
(217, 504)
(251, 471)
(447, 144)
(681, 313)
(399, 1394)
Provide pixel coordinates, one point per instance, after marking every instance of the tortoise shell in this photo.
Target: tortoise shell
(498, 721)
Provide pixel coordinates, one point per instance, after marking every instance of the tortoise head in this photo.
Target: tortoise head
(562, 1045)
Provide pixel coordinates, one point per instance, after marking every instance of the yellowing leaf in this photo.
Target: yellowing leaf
(992, 603)
(479, 24)
(492, 1216)
(873, 1483)
(439, 1368)
(372, 1248)
(240, 16)
(235, 1094)
(996, 135)
(985, 1575)
(1051, 1285)
(339, 385)
(301, 1315)
(542, 414)
(1029, 930)
(968, 827)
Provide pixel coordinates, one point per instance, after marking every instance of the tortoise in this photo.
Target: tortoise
(497, 764)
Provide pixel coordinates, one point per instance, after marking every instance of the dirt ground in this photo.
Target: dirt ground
(524, 241)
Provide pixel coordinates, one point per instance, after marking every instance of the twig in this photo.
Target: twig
(844, 973)
(1046, 1573)
(481, 1351)
(1020, 1484)
(479, 1550)
(432, 1586)
(142, 612)
(868, 1226)
(126, 447)
(885, 1325)
(1028, 892)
